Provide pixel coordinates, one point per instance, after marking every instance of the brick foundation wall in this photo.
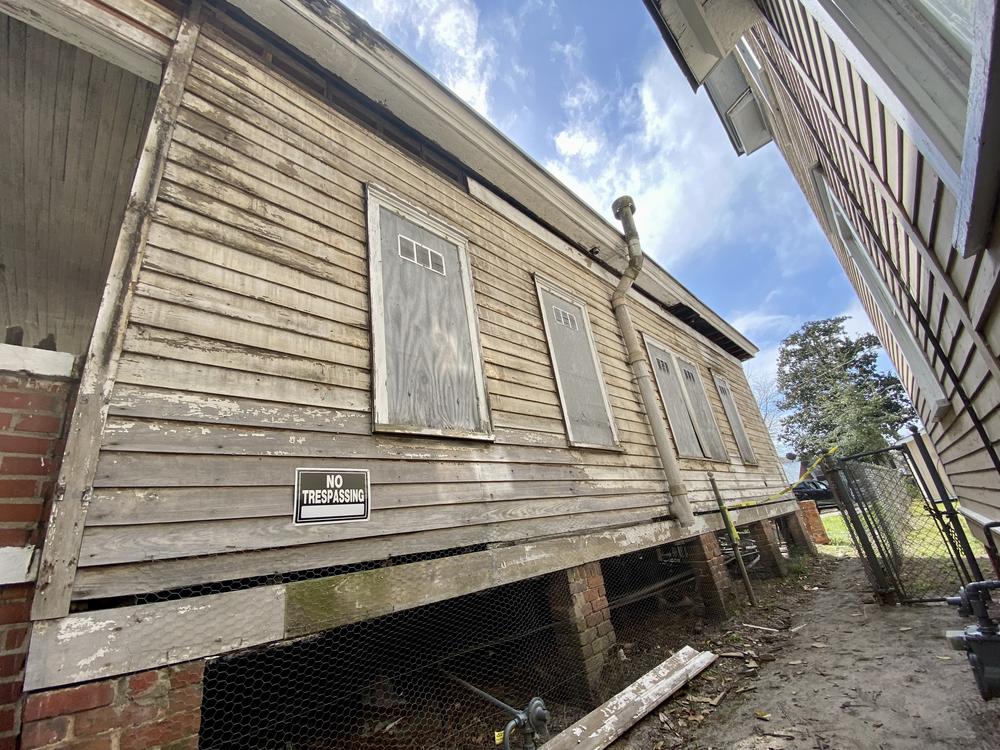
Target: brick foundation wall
(32, 422)
(32, 416)
(813, 522)
(155, 710)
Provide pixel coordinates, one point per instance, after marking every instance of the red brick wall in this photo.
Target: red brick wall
(158, 709)
(712, 577)
(813, 521)
(32, 417)
(32, 414)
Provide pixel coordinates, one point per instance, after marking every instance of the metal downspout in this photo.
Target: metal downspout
(623, 209)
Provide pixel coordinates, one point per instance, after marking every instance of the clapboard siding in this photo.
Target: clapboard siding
(904, 215)
(247, 354)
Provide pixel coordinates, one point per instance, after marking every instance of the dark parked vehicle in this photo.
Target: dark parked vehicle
(818, 490)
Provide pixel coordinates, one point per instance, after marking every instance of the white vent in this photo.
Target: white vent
(421, 255)
(565, 318)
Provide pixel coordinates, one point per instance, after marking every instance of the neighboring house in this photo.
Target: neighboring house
(253, 238)
(888, 114)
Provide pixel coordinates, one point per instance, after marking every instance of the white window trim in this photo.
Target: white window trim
(886, 61)
(870, 276)
(650, 340)
(753, 460)
(376, 198)
(543, 284)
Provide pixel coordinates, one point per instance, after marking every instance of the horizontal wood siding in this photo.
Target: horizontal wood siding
(248, 354)
(904, 215)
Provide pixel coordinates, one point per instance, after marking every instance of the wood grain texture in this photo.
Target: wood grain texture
(247, 354)
(106, 642)
(609, 721)
(68, 164)
(67, 516)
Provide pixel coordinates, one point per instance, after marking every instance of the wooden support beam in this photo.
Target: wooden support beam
(608, 722)
(129, 639)
(61, 551)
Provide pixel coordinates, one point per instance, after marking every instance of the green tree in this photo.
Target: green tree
(834, 394)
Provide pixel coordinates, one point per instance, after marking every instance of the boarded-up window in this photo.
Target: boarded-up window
(688, 411)
(428, 374)
(735, 421)
(579, 379)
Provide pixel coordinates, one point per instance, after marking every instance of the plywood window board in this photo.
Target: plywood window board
(428, 374)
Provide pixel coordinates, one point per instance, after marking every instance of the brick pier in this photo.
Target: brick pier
(32, 416)
(584, 627)
(155, 710)
(765, 536)
(711, 575)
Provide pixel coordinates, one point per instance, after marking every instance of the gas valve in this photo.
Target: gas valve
(980, 642)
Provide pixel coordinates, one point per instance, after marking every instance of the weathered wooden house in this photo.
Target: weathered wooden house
(242, 240)
(887, 114)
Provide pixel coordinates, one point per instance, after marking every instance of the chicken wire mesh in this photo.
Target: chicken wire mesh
(909, 542)
(574, 638)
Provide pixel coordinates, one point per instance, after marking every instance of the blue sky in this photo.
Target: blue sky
(589, 90)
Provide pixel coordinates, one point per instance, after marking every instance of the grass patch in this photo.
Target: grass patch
(836, 529)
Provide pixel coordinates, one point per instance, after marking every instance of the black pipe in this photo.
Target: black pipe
(991, 545)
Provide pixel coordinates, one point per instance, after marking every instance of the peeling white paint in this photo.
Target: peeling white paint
(72, 628)
(86, 662)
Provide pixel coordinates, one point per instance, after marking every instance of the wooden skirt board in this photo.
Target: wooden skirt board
(151, 635)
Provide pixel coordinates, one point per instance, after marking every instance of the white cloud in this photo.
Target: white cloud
(758, 322)
(576, 143)
(448, 41)
(857, 321)
(666, 147)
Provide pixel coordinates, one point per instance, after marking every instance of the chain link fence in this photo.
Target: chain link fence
(911, 544)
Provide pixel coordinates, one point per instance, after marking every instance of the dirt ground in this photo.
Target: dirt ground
(854, 675)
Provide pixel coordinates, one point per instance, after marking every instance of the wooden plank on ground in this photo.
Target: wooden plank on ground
(605, 724)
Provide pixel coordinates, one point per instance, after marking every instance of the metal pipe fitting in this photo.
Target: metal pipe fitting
(624, 210)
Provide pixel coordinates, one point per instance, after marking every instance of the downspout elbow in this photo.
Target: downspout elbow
(624, 209)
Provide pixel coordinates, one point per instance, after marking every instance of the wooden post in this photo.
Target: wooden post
(60, 553)
(734, 539)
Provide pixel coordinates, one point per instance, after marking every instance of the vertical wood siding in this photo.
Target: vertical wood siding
(896, 201)
(67, 168)
(248, 354)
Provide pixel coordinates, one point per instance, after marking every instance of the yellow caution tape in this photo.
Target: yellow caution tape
(792, 486)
